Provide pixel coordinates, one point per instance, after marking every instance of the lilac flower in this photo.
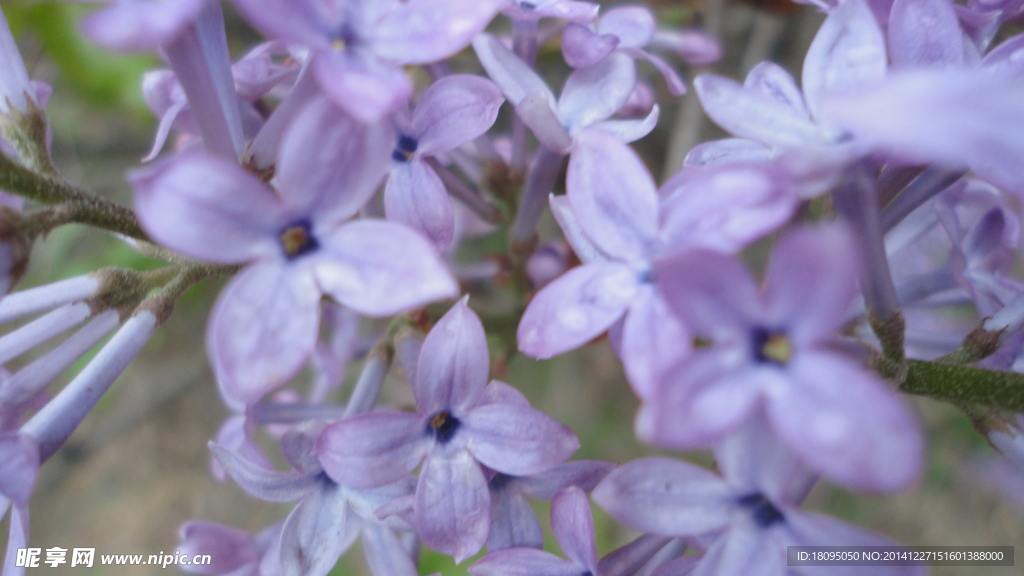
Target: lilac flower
(358, 47)
(618, 223)
(452, 111)
(461, 424)
(16, 90)
(140, 25)
(574, 529)
(749, 513)
(233, 552)
(329, 517)
(298, 244)
(770, 352)
(628, 29)
(513, 523)
(533, 10)
(589, 98)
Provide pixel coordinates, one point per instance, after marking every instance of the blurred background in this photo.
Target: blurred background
(139, 465)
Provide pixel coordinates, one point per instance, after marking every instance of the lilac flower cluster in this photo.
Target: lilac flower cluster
(339, 173)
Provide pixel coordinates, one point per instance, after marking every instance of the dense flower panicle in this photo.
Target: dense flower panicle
(462, 423)
(618, 224)
(298, 245)
(358, 46)
(769, 353)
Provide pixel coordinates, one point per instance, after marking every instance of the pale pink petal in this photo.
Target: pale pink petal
(232, 217)
(333, 179)
(845, 422)
(848, 52)
(575, 308)
(416, 197)
(263, 329)
(517, 440)
(380, 268)
(666, 497)
(613, 196)
(454, 363)
(453, 111)
(373, 449)
(453, 506)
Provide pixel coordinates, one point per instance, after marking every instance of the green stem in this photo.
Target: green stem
(959, 384)
(88, 208)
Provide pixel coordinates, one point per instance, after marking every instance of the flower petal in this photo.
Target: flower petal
(523, 562)
(573, 526)
(848, 52)
(583, 473)
(454, 363)
(453, 111)
(374, 449)
(925, 33)
(517, 440)
(536, 112)
(633, 25)
(771, 80)
(140, 26)
(513, 523)
(384, 552)
(365, 88)
(514, 77)
(811, 282)
(416, 197)
(844, 421)
(453, 512)
(613, 196)
(810, 529)
(585, 250)
(380, 268)
(263, 483)
(262, 329)
(333, 179)
(575, 308)
(711, 292)
(726, 151)
(229, 548)
(232, 217)
(581, 46)
(751, 114)
(594, 93)
(653, 340)
(666, 497)
(629, 130)
(303, 22)
(317, 532)
(422, 31)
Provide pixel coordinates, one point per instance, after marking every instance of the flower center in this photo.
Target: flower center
(404, 149)
(772, 346)
(764, 512)
(444, 426)
(297, 240)
(339, 44)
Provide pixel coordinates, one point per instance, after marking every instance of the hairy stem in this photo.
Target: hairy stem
(960, 384)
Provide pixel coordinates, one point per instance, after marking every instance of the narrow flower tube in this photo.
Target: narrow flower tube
(262, 154)
(47, 297)
(294, 413)
(28, 381)
(42, 329)
(367, 388)
(15, 89)
(539, 182)
(926, 186)
(200, 59)
(55, 422)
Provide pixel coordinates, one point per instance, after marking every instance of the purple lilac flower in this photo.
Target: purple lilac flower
(513, 523)
(533, 10)
(574, 529)
(749, 512)
(298, 244)
(233, 552)
(770, 352)
(358, 46)
(618, 223)
(140, 25)
(452, 111)
(462, 423)
(16, 91)
(628, 29)
(328, 517)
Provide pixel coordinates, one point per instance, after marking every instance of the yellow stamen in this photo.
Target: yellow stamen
(778, 348)
(294, 239)
(339, 44)
(438, 420)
